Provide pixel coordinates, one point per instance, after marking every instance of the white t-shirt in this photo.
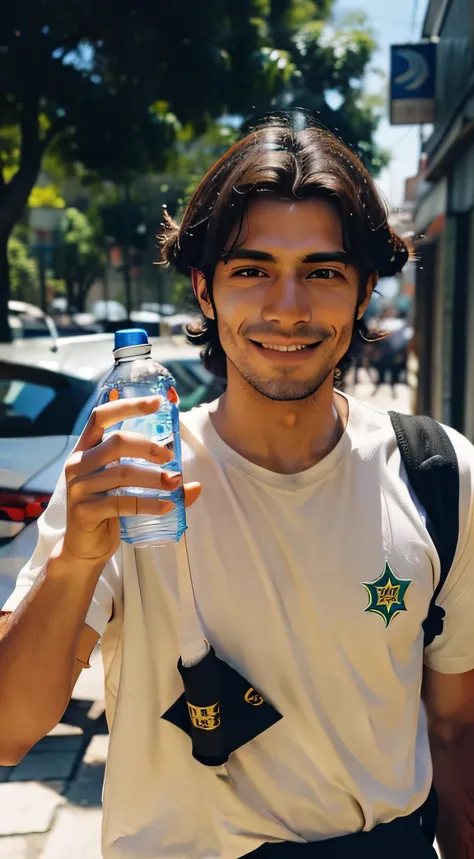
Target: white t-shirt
(284, 572)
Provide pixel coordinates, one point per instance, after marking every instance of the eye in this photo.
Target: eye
(325, 273)
(248, 272)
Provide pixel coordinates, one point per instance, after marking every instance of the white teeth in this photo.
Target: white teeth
(283, 348)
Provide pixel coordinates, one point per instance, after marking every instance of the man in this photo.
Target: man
(304, 510)
(390, 354)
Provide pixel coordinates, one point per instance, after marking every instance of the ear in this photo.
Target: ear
(202, 295)
(370, 285)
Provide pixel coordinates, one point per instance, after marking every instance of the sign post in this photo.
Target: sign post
(413, 83)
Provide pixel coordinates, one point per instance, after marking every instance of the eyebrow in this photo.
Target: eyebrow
(318, 256)
(330, 256)
(248, 253)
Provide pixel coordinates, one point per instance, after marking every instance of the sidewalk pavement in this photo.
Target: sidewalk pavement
(50, 803)
(384, 398)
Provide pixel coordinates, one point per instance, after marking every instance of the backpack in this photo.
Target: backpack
(433, 473)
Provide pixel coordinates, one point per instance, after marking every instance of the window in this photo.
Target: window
(24, 398)
(189, 375)
(193, 382)
(38, 403)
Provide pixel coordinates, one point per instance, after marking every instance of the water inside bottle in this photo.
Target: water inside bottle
(161, 427)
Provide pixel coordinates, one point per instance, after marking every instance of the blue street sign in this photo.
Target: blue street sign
(413, 83)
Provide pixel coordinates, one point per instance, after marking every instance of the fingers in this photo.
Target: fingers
(109, 414)
(192, 492)
(119, 476)
(91, 513)
(117, 446)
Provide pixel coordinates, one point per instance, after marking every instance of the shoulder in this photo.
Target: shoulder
(465, 456)
(367, 426)
(464, 452)
(372, 423)
(366, 414)
(463, 447)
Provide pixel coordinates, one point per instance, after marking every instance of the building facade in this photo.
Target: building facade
(444, 218)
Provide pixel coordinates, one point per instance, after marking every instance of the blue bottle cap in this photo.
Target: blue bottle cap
(130, 337)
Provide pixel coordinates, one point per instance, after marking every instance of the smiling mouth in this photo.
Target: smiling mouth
(291, 347)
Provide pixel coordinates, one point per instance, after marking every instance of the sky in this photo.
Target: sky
(393, 23)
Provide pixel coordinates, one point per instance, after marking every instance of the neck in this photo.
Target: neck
(285, 437)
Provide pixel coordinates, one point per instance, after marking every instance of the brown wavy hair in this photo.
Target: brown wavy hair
(288, 154)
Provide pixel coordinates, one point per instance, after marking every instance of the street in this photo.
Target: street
(50, 804)
(384, 398)
(236, 201)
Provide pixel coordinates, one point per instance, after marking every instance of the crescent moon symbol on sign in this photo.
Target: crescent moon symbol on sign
(417, 73)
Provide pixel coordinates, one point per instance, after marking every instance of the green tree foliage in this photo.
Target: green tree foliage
(327, 65)
(105, 87)
(24, 275)
(80, 256)
(112, 89)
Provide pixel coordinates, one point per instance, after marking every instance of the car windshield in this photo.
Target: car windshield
(193, 382)
(37, 403)
(188, 374)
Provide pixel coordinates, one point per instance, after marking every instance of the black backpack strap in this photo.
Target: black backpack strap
(433, 473)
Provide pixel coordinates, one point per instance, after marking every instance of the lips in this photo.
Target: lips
(290, 347)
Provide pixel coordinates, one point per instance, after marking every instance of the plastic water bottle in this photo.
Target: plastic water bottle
(136, 374)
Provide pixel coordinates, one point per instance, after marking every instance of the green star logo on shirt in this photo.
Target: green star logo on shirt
(387, 595)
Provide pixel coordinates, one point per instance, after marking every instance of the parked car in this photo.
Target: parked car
(45, 400)
(38, 413)
(155, 318)
(156, 307)
(27, 320)
(111, 310)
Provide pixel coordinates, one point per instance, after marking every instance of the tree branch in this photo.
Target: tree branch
(14, 196)
(29, 129)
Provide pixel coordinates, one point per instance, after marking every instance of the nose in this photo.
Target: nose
(287, 302)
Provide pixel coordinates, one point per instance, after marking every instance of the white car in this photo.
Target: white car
(45, 399)
(111, 310)
(156, 307)
(27, 320)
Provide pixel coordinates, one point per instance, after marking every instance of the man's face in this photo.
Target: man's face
(286, 298)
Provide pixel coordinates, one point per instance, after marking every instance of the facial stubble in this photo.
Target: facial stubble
(284, 388)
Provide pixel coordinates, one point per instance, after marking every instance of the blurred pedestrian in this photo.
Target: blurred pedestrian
(264, 675)
(389, 354)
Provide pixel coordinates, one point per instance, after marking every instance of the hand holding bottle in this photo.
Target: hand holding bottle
(93, 470)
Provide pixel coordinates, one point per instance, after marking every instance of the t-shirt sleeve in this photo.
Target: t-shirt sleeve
(452, 652)
(51, 528)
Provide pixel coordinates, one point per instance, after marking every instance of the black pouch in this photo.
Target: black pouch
(219, 710)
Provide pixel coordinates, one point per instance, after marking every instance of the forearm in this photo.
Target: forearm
(37, 653)
(453, 763)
